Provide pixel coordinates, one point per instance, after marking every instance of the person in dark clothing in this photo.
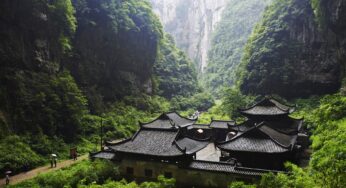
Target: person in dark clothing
(51, 162)
(75, 156)
(7, 179)
(55, 161)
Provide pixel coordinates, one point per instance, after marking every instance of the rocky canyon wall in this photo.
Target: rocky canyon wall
(191, 23)
(297, 50)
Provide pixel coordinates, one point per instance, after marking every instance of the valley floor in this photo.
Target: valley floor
(44, 169)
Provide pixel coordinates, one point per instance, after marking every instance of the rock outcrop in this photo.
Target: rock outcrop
(294, 53)
(228, 41)
(191, 23)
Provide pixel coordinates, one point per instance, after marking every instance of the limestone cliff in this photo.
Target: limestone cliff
(297, 50)
(191, 23)
(228, 41)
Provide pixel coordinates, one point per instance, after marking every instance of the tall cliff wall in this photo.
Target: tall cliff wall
(228, 41)
(191, 23)
(297, 50)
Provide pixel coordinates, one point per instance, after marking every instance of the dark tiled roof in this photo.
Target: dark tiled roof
(179, 120)
(159, 123)
(198, 126)
(286, 126)
(150, 142)
(268, 106)
(221, 124)
(191, 145)
(260, 138)
(264, 110)
(103, 155)
(168, 121)
(249, 144)
(282, 139)
(225, 167)
(243, 127)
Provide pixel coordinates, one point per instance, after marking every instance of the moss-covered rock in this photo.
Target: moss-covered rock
(289, 55)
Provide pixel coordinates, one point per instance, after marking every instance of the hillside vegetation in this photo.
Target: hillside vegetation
(296, 50)
(67, 65)
(229, 39)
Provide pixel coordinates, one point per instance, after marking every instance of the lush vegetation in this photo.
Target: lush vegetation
(319, 12)
(68, 65)
(71, 69)
(115, 48)
(228, 42)
(89, 174)
(280, 58)
(175, 73)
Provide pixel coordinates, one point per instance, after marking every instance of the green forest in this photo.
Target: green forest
(73, 70)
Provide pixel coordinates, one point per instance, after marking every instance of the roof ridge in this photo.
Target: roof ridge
(141, 123)
(186, 117)
(270, 136)
(180, 115)
(237, 167)
(200, 124)
(196, 139)
(257, 126)
(220, 120)
(272, 126)
(135, 135)
(253, 105)
(272, 100)
(179, 147)
(120, 142)
(280, 107)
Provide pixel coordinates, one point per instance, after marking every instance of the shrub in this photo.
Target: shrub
(16, 155)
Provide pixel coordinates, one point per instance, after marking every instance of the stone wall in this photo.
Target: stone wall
(184, 177)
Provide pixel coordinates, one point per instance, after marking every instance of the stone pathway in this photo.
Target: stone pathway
(44, 169)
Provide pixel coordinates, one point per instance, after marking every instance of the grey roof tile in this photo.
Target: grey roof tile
(260, 138)
(159, 123)
(198, 126)
(221, 124)
(268, 106)
(225, 167)
(282, 139)
(286, 126)
(179, 120)
(150, 142)
(169, 121)
(191, 145)
(253, 145)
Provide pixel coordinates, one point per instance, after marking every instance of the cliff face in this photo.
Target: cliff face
(191, 23)
(335, 13)
(293, 52)
(60, 59)
(227, 45)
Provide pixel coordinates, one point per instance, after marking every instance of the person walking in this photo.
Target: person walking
(7, 179)
(54, 158)
(75, 155)
(51, 162)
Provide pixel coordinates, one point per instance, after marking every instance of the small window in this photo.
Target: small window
(129, 170)
(148, 173)
(168, 175)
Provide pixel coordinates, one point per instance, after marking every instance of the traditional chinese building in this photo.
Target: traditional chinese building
(210, 155)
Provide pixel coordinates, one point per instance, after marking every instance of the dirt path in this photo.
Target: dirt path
(44, 169)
